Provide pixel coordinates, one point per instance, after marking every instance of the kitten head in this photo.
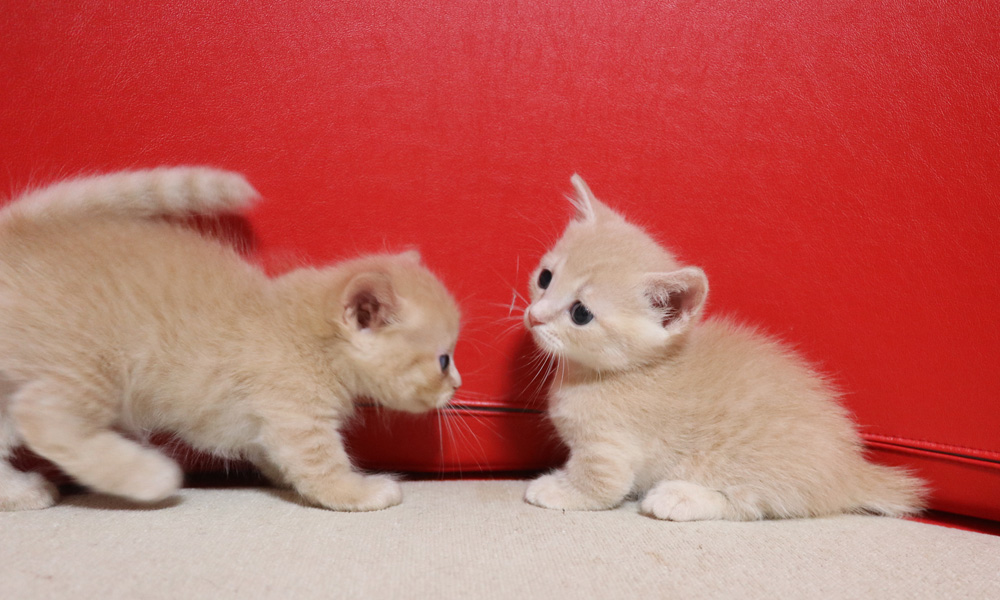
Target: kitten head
(391, 323)
(607, 296)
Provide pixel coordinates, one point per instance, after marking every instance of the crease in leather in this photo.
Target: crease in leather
(969, 455)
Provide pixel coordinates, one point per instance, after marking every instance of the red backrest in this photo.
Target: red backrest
(834, 167)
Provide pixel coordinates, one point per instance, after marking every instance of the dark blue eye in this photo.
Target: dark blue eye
(444, 361)
(544, 278)
(580, 314)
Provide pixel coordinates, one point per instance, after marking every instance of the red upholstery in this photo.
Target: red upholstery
(834, 166)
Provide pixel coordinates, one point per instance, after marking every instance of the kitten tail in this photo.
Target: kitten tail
(175, 191)
(890, 491)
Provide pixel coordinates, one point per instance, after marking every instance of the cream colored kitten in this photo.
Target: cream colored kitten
(114, 322)
(705, 420)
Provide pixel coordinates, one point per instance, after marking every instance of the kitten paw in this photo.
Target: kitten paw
(555, 491)
(684, 501)
(154, 478)
(361, 493)
(27, 491)
(382, 492)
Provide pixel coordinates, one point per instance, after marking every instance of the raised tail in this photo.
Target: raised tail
(165, 191)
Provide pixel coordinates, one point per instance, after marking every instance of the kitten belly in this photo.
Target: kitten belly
(212, 425)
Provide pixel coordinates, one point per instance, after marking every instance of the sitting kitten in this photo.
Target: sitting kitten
(709, 420)
(113, 321)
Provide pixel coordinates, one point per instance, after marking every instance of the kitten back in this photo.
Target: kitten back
(160, 192)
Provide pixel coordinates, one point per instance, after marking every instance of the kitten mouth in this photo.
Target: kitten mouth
(546, 341)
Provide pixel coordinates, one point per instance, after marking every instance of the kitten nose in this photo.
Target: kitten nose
(533, 321)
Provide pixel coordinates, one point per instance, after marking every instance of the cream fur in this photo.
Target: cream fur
(703, 419)
(114, 324)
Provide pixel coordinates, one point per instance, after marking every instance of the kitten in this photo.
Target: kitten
(113, 321)
(704, 419)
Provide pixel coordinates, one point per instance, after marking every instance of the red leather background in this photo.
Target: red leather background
(834, 167)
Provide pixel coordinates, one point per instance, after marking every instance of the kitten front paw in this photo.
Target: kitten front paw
(360, 493)
(382, 492)
(27, 491)
(557, 492)
(684, 501)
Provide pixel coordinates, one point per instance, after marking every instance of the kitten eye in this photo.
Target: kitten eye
(580, 314)
(544, 278)
(444, 360)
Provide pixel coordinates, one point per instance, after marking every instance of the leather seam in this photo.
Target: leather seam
(936, 447)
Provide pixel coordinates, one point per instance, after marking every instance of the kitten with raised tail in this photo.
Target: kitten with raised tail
(115, 322)
(700, 419)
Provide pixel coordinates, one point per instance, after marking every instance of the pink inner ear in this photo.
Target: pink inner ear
(366, 309)
(670, 306)
(369, 300)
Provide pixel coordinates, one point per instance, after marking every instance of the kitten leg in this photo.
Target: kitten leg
(72, 431)
(20, 491)
(267, 468)
(596, 479)
(685, 501)
(311, 457)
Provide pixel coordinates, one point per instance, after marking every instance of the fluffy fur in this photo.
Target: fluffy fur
(702, 419)
(114, 323)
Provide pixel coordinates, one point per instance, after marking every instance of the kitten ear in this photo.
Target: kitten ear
(584, 201)
(369, 301)
(678, 296)
(588, 208)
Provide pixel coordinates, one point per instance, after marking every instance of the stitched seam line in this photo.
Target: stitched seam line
(935, 447)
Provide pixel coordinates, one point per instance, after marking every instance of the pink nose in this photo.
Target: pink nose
(533, 321)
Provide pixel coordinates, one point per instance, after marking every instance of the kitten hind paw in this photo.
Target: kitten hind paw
(27, 491)
(684, 501)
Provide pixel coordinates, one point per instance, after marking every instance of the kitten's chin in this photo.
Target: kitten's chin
(444, 400)
(546, 341)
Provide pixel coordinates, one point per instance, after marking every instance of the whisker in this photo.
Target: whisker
(478, 319)
(511, 327)
(545, 366)
(534, 363)
(476, 371)
(484, 421)
(479, 395)
(497, 304)
(519, 296)
(504, 333)
(441, 459)
(512, 287)
(561, 370)
(460, 423)
(448, 421)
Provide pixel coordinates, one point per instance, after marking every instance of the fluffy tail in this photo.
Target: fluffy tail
(891, 491)
(174, 191)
